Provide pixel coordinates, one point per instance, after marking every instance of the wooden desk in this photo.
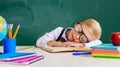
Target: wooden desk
(65, 60)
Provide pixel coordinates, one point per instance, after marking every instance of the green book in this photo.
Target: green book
(107, 57)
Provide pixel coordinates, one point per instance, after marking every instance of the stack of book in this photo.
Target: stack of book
(23, 58)
(106, 51)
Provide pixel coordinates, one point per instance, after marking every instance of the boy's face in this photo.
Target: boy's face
(80, 33)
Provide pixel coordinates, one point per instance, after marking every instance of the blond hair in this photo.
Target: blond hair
(94, 26)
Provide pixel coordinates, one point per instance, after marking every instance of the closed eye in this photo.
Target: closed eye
(83, 38)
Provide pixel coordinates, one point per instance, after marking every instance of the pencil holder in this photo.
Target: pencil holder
(9, 45)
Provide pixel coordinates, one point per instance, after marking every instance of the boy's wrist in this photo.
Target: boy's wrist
(82, 45)
(60, 44)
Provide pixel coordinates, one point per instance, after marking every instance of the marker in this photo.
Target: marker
(81, 53)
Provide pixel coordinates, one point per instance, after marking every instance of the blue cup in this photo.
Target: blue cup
(9, 45)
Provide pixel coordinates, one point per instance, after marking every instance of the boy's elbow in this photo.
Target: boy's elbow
(99, 42)
(37, 44)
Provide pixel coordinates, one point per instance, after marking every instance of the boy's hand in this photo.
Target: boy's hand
(72, 44)
(64, 44)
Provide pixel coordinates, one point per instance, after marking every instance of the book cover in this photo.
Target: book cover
(105, 55)
(106, 46)
(103, 51)
(24, 61)
(64, 49)
(99, 54)
(17, 55)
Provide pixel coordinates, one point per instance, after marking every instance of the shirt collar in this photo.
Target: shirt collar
(65, 32)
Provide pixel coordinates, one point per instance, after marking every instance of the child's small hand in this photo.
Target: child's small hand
(72, 44)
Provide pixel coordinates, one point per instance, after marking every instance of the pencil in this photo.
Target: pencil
(16, 31)
(10, 30)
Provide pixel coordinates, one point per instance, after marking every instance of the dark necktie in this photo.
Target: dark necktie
(62, 39)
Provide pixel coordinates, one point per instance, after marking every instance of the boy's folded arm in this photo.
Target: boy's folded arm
(42, 41)
(53, 35)
(53, 43)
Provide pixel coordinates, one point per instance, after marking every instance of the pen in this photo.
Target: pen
(16, 31)
(81, 53)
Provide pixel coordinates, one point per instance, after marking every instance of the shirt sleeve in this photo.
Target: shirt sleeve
(93, 43)
(53, 35)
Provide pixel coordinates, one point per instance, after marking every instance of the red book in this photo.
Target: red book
(104, 51)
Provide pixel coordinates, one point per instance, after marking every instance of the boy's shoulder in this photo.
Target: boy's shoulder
(60, 27)
(64, 28)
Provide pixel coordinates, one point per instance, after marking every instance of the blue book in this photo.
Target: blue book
(106, 46)
(13, 56)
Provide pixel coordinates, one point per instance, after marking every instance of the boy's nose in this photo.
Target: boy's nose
(77, 36)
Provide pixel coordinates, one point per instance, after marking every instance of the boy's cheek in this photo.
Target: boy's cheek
(77, 41)
(70, 38)
(71, 35)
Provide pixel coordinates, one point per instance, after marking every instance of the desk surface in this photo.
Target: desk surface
(64, 59)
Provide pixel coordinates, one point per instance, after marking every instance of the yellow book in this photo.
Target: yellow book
(98, 54)
(105, 56)
(64, 49)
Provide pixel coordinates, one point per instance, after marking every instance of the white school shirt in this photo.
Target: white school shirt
(54, 34)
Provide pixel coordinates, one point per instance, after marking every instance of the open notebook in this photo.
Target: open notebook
(64, 49)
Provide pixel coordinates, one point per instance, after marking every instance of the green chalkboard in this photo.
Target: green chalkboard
(37, 17)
